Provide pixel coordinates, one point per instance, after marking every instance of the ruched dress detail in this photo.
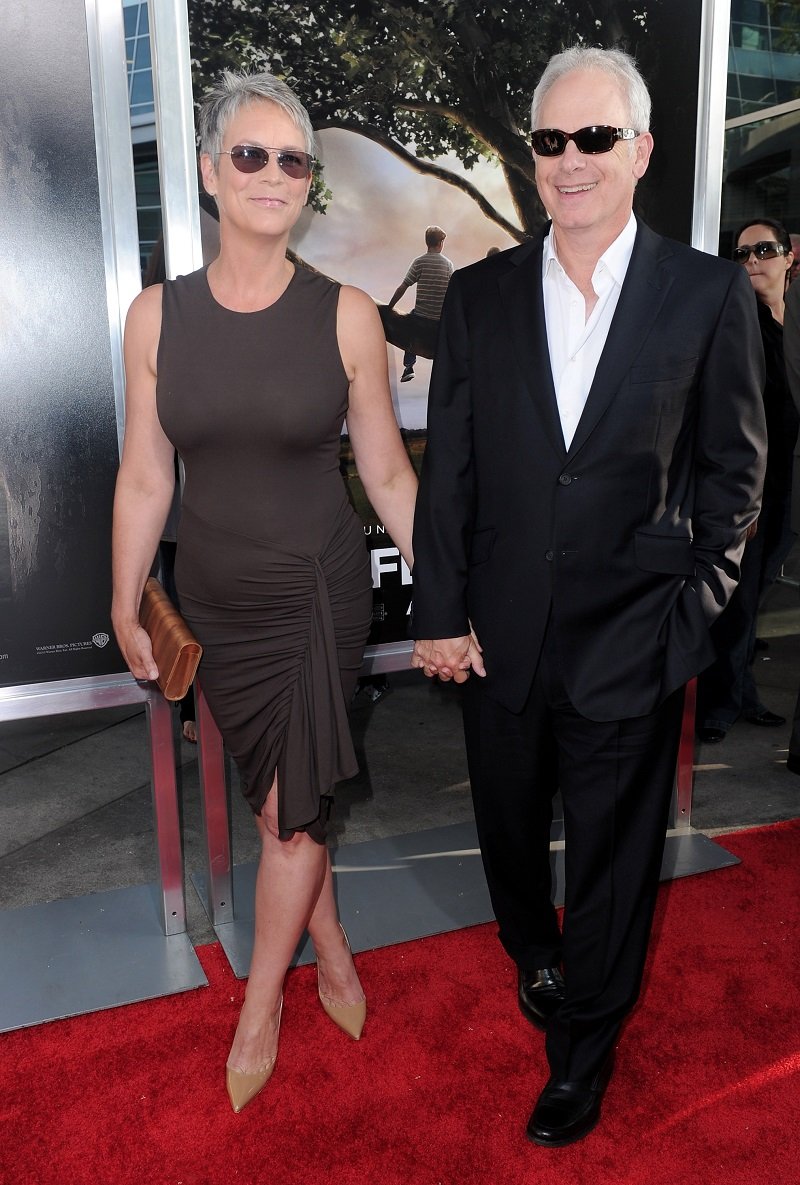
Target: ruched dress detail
(272, 570)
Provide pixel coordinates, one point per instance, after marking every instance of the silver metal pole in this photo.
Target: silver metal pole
(166, 816)
(177, 154)
(710, 148)
(681, 810)
(33, 700)
(112, 121)
(216, 817)
(177, 166)
(706, 209)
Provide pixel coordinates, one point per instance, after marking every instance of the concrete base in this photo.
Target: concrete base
(412, 886)
(81, 954)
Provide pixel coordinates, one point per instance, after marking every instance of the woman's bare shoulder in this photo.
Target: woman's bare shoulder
(356, 307)
(144, 315)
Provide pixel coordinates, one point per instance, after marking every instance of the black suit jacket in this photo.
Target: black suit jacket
(632, 537)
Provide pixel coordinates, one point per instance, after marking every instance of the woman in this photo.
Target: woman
(248, 368)
(728, 689)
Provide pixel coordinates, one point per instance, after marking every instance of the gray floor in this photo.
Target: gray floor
(75, 814)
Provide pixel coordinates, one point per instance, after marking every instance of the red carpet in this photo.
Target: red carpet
(707, 1088)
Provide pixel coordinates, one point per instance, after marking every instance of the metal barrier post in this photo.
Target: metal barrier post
(109, 691)
(166, 816)
(684, 777)
(216, 817)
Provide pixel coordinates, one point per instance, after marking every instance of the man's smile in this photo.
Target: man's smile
(577, 188)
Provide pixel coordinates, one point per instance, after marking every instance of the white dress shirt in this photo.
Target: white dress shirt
(576, 342)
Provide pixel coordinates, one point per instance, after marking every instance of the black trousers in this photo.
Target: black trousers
(616, 783)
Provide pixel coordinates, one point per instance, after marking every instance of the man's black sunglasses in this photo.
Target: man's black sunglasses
(766, 249)
(591, 141)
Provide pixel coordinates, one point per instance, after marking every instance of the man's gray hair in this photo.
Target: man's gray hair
(235, 91)
(614, 62)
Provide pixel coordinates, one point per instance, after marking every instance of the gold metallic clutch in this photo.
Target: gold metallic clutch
(175, 648)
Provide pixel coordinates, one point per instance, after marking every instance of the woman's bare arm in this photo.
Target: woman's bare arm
(145, 483)
(381, 459)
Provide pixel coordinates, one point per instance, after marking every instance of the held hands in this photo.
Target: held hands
(136, 650)
(449, 658)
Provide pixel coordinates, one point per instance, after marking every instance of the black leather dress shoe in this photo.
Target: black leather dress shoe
(711, 736)
(567, 1111)
(766, 719)
(540, 994)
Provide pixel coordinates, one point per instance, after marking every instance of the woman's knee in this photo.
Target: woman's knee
(267, 818)
(295, 842)
(269, 829)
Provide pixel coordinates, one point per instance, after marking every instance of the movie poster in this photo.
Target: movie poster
(58, 440)
(423, 121)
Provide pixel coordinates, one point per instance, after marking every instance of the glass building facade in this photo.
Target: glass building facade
(143, 132)
(763, 58)
(137, 52)
(762, 130)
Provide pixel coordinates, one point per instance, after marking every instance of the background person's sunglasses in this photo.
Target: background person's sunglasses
(593, 140)
(766, 249)
(248, 158)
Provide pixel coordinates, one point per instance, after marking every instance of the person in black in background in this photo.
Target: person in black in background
(727, 689)
(791, 343)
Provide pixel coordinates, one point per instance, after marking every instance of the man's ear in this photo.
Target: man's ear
(642, 150)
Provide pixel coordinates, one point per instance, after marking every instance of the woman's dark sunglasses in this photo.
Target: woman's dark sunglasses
(598, 138)
(766, 249)
(248, 158)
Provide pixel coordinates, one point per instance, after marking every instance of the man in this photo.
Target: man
(791, 350)
(431, 273)
(595, 455)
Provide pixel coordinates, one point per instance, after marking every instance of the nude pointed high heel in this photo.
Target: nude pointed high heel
(243, 1087)
(349, 1017)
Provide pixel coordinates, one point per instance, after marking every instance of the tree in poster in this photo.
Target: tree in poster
(422, 79)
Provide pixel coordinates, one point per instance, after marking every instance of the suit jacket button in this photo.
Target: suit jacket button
(564, 479)
(548, 555)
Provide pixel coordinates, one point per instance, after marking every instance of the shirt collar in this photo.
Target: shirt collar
(616, 257)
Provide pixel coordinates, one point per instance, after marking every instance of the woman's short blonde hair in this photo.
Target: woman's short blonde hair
(235, 91)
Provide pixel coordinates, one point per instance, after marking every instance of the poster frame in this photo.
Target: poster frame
(120, 241)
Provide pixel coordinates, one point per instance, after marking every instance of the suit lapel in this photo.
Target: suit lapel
(523, 310)
(643, 292)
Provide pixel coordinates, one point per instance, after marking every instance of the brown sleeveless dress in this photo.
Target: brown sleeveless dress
(272, 571)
